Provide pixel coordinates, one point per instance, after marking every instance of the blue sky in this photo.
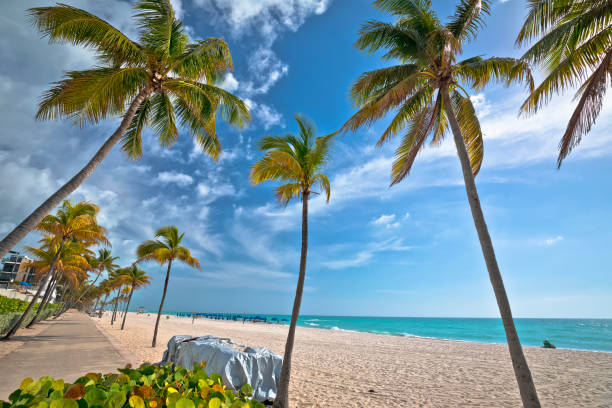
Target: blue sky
(410, 250)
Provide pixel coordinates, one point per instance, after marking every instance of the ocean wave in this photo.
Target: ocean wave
(311, 324)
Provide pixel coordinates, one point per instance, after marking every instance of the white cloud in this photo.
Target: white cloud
(265, 114)
(229, 83)
(210, 192)
(181, 179)
(364, 256)
(386, 220)
(552, 241)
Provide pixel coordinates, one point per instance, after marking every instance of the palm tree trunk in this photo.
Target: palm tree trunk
(103, 306)
(88, 287)
(53, 289)
(45, 282)
(126, 307)
(282, 394)
(34, 218)
(161, 305)
(526, 386)
(96, 305)
(44, 300)
(114, 316)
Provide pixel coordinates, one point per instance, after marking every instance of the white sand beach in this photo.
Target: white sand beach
(349, 369)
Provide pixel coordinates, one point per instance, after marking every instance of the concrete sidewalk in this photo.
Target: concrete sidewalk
(69, 348)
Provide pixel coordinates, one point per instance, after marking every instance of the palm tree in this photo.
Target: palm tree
(116, 283)
(297, 162)
(574, 46)
(163, 81)
(136, 278)
(73, 258)
(166, 248)
(72, 222)
(103, 262)
(427, 93)
(105, 288)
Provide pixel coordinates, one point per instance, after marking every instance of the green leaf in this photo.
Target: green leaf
(247, 389)
(185, 403)
(214, 403)
(136, 402)
(25, 382)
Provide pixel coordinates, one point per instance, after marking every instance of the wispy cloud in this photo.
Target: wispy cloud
(551, 241)
(364, 256)
(178, 178)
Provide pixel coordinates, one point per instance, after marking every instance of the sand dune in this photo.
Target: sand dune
(348, 369)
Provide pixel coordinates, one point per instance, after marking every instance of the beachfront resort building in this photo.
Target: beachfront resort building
(15, 268)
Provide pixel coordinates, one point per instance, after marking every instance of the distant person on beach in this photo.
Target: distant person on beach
(243, 318)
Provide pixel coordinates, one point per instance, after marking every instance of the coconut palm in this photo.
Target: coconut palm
(72, 222)
(135, 278)
(163, 80)
(166, 248)
(296, 162)
(574, 47)
(103, 262)
(427, 93)
(105, 289)
(73, 259)
(116, 283)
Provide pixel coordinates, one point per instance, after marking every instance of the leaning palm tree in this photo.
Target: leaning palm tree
(296, 162)
(72, 222)
(574, 46)
(105, 289)
(427, 92)
(103, 262)
(135, 278)
(162, 80)
(72, 258)
(166, 248)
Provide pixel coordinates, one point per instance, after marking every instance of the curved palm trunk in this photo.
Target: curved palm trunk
(282, 394)
(161, 305)
(89, 287)
(33, 301)
(126, 307)
(34, 218)
(45, 299)
(55, 283)
(526, 386)
(114, 316)
(96, 304)
(103, 306)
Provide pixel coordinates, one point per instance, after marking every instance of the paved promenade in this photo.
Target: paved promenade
(69, 348)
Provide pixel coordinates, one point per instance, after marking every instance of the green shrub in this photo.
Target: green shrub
(147, 387)
(7, 320)
(11, 305)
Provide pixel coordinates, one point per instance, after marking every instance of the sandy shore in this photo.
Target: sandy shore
(338, 369)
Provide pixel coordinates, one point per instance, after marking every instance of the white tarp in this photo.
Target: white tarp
(236, 364)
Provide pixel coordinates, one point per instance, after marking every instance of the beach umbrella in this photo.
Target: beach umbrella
(24, 283)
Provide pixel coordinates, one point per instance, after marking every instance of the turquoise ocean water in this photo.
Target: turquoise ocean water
(580, 334)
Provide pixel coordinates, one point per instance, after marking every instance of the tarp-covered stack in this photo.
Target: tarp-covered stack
(236, 364)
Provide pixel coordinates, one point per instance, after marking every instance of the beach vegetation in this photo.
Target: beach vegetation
(148, 386)
(427, 91)
(135, 278)
(165, 249)
(573, 45)
(66, 236)
(297, 162)
(163, 81)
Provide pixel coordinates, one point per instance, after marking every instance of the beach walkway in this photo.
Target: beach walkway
(67, 349)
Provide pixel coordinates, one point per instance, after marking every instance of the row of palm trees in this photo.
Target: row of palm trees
(164, 81)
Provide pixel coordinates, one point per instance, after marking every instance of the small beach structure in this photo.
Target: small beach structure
(236, 364)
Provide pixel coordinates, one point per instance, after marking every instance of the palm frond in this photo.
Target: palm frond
(470, 129)
(468, 18)
(131, 142)
(588, 108)
(66, 24)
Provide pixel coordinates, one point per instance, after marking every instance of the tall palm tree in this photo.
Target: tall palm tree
(135, 278)
(105, 289)
(103, 262)
(116, 284)
(296, 162)
(72, 222)
(163, 80)
(574, 46)
(427, 92)
(166, 248)
(72, 259)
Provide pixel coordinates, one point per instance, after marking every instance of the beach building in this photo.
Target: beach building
(15, 268)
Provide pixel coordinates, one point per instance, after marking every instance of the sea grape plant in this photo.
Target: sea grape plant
(149, 386)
